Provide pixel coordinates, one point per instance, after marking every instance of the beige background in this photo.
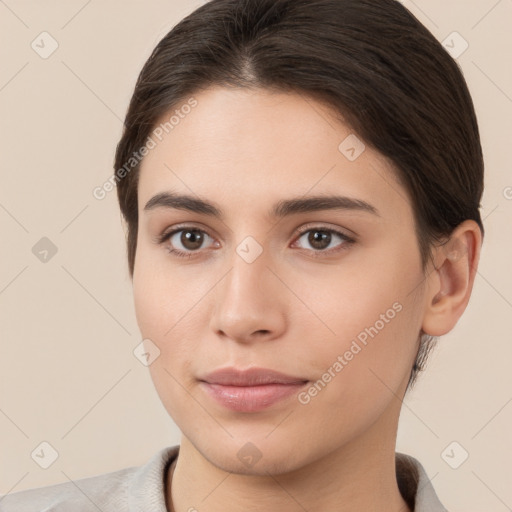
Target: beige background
(68, 373)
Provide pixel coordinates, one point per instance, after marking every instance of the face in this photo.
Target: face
(327, 293)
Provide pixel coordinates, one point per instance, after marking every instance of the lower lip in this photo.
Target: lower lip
(251, 398)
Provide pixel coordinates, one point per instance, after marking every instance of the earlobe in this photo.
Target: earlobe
(451, 279)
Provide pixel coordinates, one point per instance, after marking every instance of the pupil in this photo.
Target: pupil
(319, 241)
(193, 238)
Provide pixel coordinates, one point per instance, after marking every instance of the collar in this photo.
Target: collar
(147, 489)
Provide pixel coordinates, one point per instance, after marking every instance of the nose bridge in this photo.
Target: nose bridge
(246, 301)
(245, 282)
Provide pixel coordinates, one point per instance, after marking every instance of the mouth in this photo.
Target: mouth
(250, 390)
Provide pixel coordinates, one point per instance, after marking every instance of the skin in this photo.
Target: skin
(290, 311)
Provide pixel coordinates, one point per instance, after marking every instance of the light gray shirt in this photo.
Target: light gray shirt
(143, 489)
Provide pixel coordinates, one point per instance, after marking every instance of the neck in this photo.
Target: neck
(357, 476)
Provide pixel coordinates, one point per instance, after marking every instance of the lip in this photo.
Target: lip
(250, 377)
(250, 390)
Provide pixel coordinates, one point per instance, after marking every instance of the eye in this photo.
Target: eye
(185, 241)
(321, 238)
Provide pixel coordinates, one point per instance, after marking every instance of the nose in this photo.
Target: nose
(250, 302)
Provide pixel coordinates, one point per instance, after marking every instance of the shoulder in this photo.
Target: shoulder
(415, 485)
(109, 492)
(83, 494)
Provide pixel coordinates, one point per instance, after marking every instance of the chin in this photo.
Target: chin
(258, 458)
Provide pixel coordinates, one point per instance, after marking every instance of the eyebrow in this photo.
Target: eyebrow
(283, 208)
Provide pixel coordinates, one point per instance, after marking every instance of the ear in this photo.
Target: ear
(451, 279)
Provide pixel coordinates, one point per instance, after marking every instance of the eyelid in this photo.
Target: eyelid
(346, 240)
(320, 226)
(161, 238)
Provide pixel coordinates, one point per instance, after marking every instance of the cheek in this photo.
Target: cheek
(169, 306)
(160, 293)
(164, 315)
(374, 322)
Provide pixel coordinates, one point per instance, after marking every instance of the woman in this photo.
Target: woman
(301, 182)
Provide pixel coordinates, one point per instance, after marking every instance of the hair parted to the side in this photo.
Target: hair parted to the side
(371, 61)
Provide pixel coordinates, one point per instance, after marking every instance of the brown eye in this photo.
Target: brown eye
(185, 242)
(191, 239)
(320, 239)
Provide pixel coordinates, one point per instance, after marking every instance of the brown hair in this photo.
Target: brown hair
(371, 61)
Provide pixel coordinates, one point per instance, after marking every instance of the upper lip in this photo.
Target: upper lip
(250, 377)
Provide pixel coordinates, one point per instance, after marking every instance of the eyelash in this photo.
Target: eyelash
(347, 241)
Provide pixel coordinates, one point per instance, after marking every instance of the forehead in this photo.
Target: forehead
(242, 147)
